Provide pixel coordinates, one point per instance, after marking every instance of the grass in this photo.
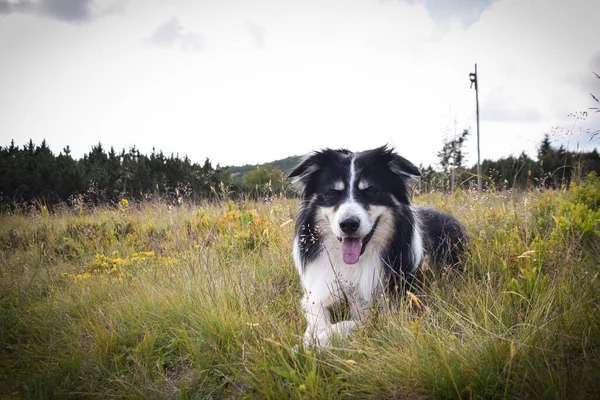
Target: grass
(148, 301)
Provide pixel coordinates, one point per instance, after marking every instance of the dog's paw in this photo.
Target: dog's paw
(317, 337)
(324, 335)
(344, 328)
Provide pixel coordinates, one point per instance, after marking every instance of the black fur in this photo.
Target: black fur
(389, 175)
(444, 237)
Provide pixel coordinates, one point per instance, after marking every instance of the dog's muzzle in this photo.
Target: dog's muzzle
(354, 247)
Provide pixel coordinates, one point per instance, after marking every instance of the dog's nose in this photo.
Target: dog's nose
(350, 225)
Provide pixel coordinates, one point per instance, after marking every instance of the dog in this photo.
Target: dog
(358, 237)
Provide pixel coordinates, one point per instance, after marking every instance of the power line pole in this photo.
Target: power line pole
(473, 78)
(453, 174)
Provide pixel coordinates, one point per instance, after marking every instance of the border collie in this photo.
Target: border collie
(357, 235)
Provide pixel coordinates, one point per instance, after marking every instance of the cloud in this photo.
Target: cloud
(71, 11)
(500, 108)
(466, 11)
(330, 72)
(587, 80)
(595, 62)
(172, 35)
(9, 7)
(593, 80)
(67, 10)
(258, 33)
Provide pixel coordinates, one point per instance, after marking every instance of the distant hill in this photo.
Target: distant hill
(285, 164)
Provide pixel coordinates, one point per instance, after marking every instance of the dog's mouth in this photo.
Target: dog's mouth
(354, 247)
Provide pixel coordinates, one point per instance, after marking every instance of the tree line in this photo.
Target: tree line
(554, 168)
(33, 173)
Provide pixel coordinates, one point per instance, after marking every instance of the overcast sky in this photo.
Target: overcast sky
(252, 81)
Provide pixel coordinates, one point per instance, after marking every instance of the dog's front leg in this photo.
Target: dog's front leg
(320, 331)
(319, 327)
(318, 320)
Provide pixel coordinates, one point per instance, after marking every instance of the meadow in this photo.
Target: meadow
(148, 300)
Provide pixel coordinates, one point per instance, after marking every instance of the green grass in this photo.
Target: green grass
(203, 302)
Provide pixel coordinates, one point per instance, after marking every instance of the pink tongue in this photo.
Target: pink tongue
(351, 250)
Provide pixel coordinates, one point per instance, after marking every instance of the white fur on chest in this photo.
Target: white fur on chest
(328, 279)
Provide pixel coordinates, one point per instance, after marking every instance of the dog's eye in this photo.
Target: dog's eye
(334, 192)
(370, 191)
(364, 186)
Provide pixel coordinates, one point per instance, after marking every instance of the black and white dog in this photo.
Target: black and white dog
(358, 236)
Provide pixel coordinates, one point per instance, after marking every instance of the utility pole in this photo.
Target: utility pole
(453, 173)
(473, 78)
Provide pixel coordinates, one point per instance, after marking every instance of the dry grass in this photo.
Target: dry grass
(203, 302)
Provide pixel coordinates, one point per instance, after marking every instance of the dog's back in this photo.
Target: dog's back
(444, 237)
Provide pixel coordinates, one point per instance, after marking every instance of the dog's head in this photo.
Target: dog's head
(354, 193)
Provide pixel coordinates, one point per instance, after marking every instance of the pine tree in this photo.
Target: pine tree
(545, 147)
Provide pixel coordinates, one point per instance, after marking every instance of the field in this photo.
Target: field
(146, 300)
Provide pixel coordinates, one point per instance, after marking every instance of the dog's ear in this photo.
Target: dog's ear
(398, 164)
(302, 172)
(309, 167)
(401, 166)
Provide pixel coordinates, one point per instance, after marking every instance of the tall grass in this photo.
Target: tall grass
(148, 301)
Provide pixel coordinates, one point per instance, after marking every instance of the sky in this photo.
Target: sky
(251, 81)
